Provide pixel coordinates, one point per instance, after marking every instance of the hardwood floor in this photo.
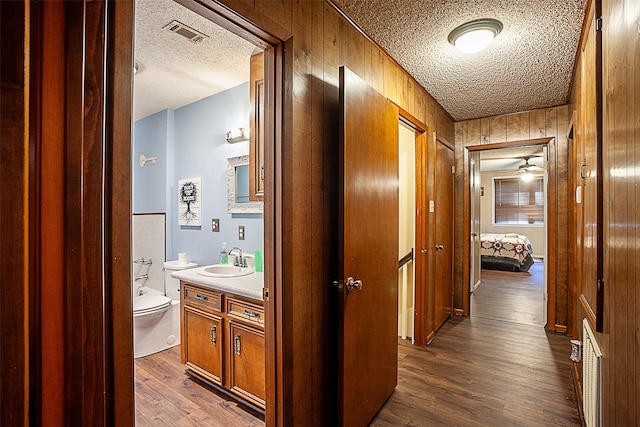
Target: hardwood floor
(482, 372)
(511, 296)
(476, 372)
(166, 396)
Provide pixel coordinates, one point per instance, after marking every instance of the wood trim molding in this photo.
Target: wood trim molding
(551, 223)
(422, 281)
(410, 119)
(509, 144)
(119, 105)
(241, 20)
(444, 141)
(15, 402)
(561, 329)
(588, 311)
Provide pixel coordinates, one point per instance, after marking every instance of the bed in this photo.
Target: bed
(509, 252)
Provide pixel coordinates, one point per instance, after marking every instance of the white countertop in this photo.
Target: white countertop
(249, 286)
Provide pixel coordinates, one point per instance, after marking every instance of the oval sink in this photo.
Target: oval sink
(225, 270)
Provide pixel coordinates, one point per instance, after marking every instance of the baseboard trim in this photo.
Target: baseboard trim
(562, 329)
(577, 389)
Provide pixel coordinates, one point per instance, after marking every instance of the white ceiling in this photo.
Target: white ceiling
(173, 71)
(504, 159)
(529, 65)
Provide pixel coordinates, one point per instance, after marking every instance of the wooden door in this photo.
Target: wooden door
(444, 234)
(368, 251)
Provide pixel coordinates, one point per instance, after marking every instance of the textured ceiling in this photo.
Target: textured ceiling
(510, 158)
(529, 65)
(173, 71)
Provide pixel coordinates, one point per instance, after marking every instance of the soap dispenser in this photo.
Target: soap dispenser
(224, 255)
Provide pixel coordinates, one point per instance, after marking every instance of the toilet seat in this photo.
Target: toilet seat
(150, 303)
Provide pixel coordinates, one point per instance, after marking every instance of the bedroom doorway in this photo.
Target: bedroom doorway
(509, 234)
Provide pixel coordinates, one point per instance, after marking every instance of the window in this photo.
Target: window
(518, 202)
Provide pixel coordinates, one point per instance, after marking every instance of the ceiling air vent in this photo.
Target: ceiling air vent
(177, 27)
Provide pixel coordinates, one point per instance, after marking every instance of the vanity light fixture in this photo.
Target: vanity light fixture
(238, 135)
(474, 36)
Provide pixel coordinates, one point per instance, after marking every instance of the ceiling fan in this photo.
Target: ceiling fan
(527, 169)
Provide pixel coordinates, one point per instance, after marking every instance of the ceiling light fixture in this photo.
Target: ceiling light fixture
(527, 177)
(474, 36)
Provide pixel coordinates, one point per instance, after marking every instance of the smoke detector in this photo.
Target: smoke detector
(194, 36)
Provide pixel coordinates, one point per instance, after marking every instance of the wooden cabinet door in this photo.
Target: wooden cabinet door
(202, 343)
(246, 357)
(368, 251)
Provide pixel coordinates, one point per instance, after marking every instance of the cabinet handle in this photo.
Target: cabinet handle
(213, 335)
(237, 345)
(202, 297)
(251, 314)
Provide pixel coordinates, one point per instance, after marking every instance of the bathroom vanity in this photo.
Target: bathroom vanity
(222, 328)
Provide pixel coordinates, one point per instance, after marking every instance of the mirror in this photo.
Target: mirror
(238, 187)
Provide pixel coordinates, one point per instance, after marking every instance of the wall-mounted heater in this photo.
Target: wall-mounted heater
(591, 377)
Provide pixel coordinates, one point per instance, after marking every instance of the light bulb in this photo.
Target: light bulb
(474, 41)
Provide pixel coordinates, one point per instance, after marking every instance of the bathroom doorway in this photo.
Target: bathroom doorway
(192, 134)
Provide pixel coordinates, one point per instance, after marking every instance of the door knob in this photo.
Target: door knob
(352, 284)
(423, 250)
(439, 247)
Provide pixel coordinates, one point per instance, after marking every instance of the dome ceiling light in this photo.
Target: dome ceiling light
(474, 36)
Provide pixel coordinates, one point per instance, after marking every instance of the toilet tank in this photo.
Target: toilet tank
(173, 285)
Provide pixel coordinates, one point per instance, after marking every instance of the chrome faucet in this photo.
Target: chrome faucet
(238, 262)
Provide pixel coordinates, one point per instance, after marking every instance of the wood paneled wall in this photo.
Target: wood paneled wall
(321, 41)
(16, 366)
(545, 122)
(620, 340)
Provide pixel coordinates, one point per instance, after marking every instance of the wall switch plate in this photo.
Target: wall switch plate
(215, 225)
(241, 232)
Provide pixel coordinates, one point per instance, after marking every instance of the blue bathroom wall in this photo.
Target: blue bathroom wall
(197, 148)
(151, 138)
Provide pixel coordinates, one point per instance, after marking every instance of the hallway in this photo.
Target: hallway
(482, 372)
(511, 296)
(477, 372)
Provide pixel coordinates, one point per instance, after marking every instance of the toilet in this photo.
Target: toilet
(156, 314)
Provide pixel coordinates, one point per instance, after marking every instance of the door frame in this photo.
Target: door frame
(552, 220)
(423, 281)
(272, 40)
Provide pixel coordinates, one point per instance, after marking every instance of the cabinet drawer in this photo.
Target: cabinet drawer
(204, 298)
(245, 311)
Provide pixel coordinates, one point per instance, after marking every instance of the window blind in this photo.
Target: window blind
(519, 202)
